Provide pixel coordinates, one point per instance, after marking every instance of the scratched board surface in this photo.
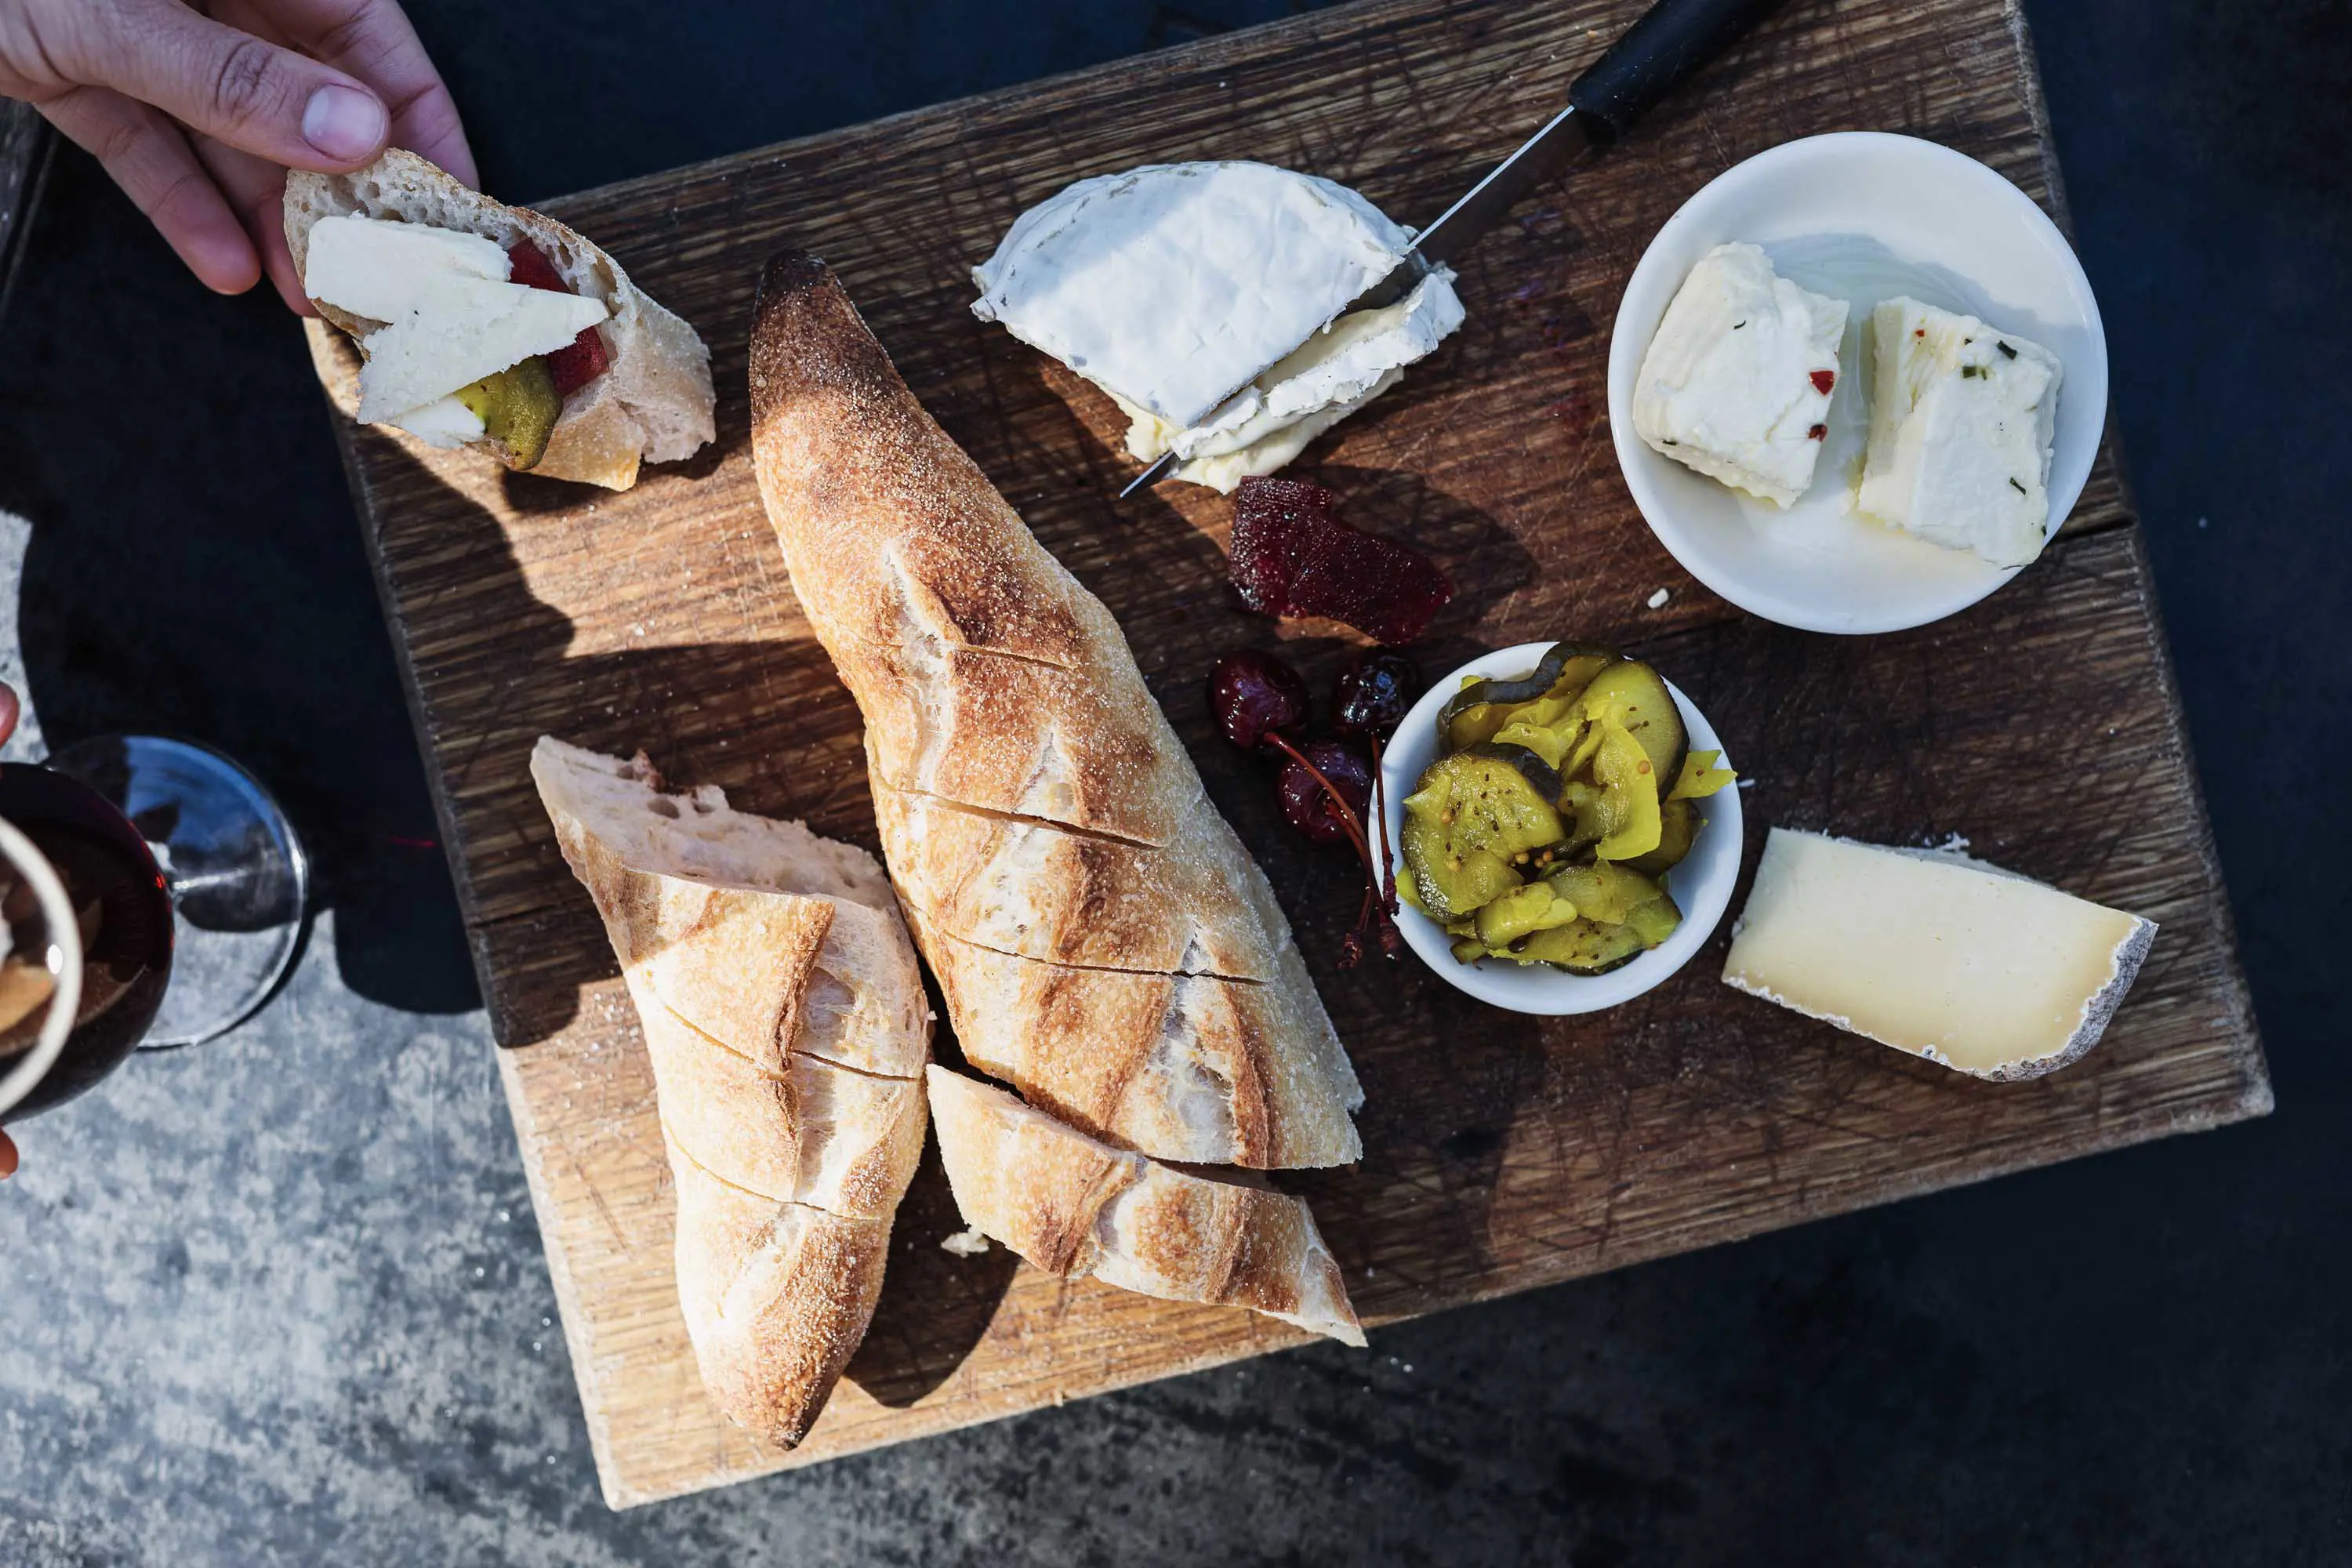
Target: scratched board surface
(1500, 1152)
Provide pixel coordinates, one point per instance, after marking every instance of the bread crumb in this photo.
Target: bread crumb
(1658, 600)
(965, 1242)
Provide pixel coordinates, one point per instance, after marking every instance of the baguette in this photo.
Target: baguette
(1081, 1209)
(783, 1016)
(653, 404)
(1101, 936)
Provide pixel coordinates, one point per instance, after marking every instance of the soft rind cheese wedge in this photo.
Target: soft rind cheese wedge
(1963, 421)
(1324, 380)
(1174, 286)
(1737, 381)
(1983, 970)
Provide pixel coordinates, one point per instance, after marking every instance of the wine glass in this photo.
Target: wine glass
(154, 895)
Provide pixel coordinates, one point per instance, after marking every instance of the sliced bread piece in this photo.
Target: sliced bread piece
(1079, 1208)
(654, 403)
(785, 1017)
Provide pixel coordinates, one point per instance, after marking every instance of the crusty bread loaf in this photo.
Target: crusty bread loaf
(654, 404)
(1082, 1209)
(1102, 937)
(784, 1018)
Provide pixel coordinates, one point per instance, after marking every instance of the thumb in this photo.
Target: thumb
(229, 85)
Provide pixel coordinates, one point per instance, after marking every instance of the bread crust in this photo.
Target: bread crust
(653, 403)
(1102, 938)
(1078, 1207)
(784, 1019)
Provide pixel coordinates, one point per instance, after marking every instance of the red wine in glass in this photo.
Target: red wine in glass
(187, 887)
(122, 913)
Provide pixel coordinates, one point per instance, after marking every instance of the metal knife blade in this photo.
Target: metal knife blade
(1670, 42)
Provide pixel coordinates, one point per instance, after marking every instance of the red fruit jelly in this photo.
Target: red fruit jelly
(1293, 556)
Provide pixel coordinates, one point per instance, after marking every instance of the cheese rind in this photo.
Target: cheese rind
(1731, 384)
(1963, 420)
(1981, 969)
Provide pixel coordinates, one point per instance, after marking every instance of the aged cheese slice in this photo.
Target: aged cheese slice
(1934, 954)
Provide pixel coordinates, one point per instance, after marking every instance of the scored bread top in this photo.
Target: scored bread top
(785, 1023)
(1079, 1208)
(1102, 938)
(654, 403)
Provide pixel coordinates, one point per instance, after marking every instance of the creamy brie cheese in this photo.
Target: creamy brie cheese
(1324, 380)
(1171, 286)
(1932, 953)
(1962, 420)
(450, 315)
(1737, 380)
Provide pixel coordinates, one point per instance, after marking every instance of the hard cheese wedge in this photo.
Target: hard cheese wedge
(1934, 954)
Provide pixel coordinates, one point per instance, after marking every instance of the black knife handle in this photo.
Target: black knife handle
(1659, 53)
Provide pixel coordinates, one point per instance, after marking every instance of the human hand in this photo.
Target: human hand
(198, 113)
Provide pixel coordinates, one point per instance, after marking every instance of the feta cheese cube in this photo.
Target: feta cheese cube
(1962, 420)
(1737, 382)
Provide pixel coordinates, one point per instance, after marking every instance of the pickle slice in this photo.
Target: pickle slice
(1480, 710)
(517, 407)
(1582, 947)
(1703, 775)
(1469, 815)
(1678, 826)
(1632, 694)
(1628, 808)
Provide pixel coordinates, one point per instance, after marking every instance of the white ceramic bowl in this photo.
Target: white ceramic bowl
(1701, 885)
(1861, 216)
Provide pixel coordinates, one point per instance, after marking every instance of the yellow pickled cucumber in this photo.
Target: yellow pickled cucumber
(1701, 776)
(1522, 911)
(1469, 816)
(517, 407)
(1628, 794)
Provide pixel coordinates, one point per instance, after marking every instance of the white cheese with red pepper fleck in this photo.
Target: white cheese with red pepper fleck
(1737, 381)
(1962, 419)
(1935, 954)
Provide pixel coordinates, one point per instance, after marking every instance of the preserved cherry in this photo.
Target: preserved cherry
(1374, 692)
(1306, 802)
(1256, 695)
(1292, 556)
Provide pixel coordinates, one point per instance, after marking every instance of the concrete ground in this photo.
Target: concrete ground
(281, 1299)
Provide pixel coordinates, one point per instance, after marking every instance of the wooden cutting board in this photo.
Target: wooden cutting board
(1500, 1154)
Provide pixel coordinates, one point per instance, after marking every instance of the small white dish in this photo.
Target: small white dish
(1861, 216)
(1701, 885)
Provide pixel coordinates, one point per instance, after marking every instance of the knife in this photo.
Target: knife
(1657, 54)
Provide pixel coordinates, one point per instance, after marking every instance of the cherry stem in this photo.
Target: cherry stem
(1348, 818)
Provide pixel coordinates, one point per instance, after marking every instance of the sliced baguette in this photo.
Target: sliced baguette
(1081, 1209)
(995, 686)
(655, 403)
(784, 1019)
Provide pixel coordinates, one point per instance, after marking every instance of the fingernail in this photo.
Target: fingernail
(343, 122)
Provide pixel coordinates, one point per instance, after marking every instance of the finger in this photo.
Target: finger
(9, 709)
(150, 159)
(256, 189)
(226, 84)
(7, 1158)
(372, 40)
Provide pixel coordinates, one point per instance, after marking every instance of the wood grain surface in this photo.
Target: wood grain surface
(1500, 1152)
